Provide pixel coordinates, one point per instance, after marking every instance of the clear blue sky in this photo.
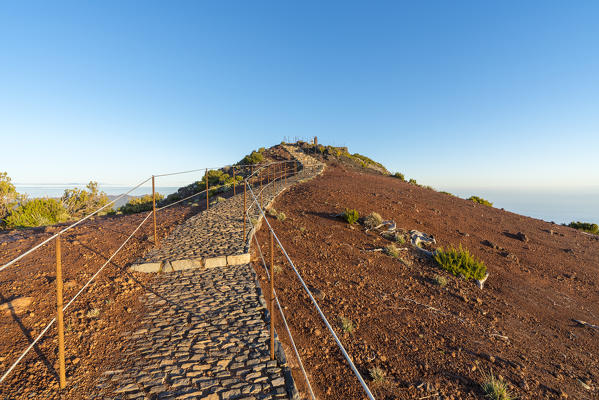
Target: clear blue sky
(451, 93)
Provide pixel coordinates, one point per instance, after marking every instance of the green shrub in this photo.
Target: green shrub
(373, 220)
(281, 216)
(171, 198)
(447, 193)
(351, 216)
(216, 177)
(480, 200)
(253, 158)
(392, 251)
(140, 204)
(413, 182)
(399, 176)
(81, 202)
(272, 212)
(37, 212)
(9, 198)
(460, 262)
(585, 226)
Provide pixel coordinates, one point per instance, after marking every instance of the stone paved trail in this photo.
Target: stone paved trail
(205, 334)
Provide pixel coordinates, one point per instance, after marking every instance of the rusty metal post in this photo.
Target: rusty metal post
(233, 180)
(272, 298)
(244, 212)
(207, 196)
(59, 315)
(154, 210)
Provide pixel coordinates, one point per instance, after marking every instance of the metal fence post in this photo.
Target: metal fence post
(59, 316)
(244, 211)
(233, 180)
(207, 196)
(154, 210)
(272, 298)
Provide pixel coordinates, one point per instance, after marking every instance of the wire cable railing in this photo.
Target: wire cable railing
(299, 359)
(314, 302)
(258, 172)
(14, 260)
(90, 281)
(37, 339)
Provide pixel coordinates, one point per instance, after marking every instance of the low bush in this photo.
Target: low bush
(480, 200)
(139, 204)
(281, 216)
(351, 216)
(412, 181)
(399, 176)
(447, 193)
(254, 157)
(37, 212)
(585, 226)
(460, 262)
(9, 197)
(216, 177)
(372, 220)
(272, 212)
(81, 202)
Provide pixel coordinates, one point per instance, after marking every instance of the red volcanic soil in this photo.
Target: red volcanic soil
(432, 341)
(95, 322)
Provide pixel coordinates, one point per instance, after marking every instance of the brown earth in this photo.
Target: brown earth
(95, 322)
(432, 341)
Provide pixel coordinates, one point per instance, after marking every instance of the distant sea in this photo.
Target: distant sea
(57, 190)
(560, 206)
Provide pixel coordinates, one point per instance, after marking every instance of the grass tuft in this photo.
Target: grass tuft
(392, 251)
(373, 220)
(346, 324)
(440, 280)
(496, 389)
(281, 216)
(377, 374)
(460, 263)
(93, 313)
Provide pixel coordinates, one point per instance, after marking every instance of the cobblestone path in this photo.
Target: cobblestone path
(205, 334)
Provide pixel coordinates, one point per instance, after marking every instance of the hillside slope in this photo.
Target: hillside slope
(430, 340)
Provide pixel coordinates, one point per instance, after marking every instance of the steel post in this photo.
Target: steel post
(59, 315)
(207, 196)
(272, 298)
(154, 209)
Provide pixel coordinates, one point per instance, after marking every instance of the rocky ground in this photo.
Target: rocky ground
(428, 339)
(95, 322)
(432, 340)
